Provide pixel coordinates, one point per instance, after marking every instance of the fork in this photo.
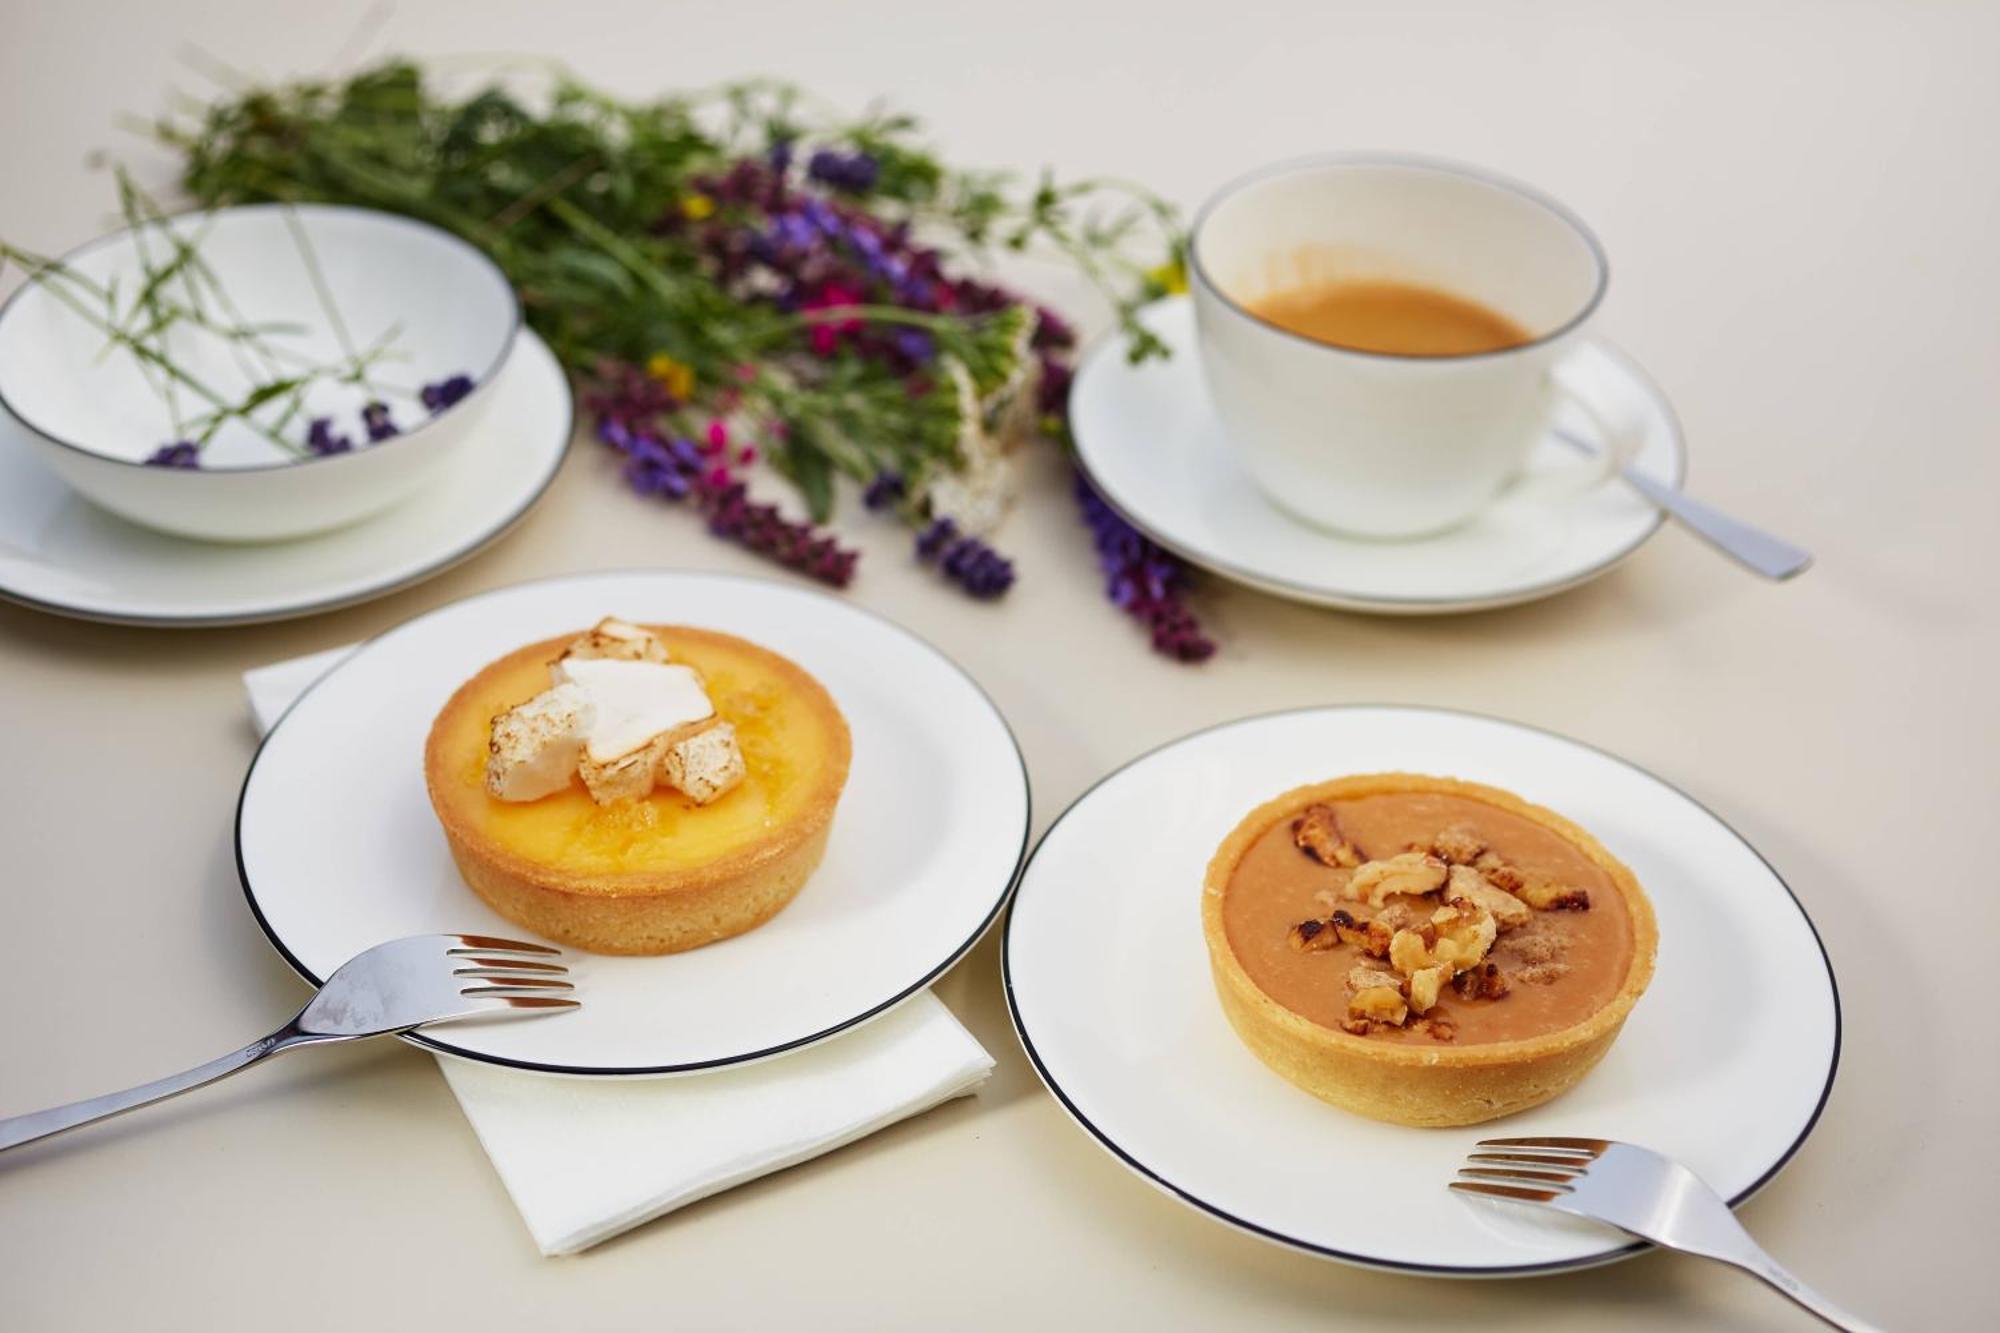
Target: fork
(392, 987)
(1638, 1191)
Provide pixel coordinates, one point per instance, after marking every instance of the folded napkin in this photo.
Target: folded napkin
(585, 1159)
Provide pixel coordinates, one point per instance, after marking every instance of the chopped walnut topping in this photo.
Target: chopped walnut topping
(1360, 1027)
(1548, 895)
(1541, 974)
(1404, 913)
(1426, 984)
(1437, 1029)
(1465, 933)
(1459, 845)
(1413, 873)
(1317, 833)
(1508, 911)
(1313, 936)
(1382, 1004)
(1365, 978)
(1484, 982)
(1498, 873)
(1371, 937)
(1535, 945)
(1408, 953)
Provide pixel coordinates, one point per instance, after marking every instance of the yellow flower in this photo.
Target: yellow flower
(676, 376)
(695, 207)
(1170, 277)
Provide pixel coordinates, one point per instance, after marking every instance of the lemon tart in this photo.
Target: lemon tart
(638, 789)
(1423, 950)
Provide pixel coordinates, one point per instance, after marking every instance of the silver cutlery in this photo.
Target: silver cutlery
(1638, 1191)
(1754, 548)
(392, 987)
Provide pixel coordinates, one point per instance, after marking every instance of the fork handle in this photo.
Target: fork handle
(21, 1129)
(1763, 1267)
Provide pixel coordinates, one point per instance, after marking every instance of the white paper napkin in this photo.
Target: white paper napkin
(585, 1159)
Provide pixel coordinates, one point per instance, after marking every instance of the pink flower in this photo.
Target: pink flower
(748, 456)
(718, 437)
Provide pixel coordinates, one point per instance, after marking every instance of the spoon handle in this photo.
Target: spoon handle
(1773, 557)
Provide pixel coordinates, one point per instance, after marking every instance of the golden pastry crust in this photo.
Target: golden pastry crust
(651, 911)
(1406, 1083)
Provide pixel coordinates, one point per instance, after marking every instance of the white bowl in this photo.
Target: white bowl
(94, 418)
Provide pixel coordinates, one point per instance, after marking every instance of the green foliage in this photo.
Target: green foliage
(586, 202)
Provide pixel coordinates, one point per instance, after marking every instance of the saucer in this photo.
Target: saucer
(1725, 1063)
(930, 831)
(60, 553)
(1151, 442)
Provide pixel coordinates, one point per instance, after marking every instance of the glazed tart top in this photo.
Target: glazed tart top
(795, 750)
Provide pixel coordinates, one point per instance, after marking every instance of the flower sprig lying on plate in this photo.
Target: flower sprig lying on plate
(741, 283)
(179, 299)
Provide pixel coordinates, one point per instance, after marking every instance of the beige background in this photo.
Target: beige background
(1801, 202)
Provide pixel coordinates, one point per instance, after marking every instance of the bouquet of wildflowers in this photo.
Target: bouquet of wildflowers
(743, 287)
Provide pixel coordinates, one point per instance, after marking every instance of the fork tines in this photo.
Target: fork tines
(492, 944)
(511, 973)
(1536, 1169)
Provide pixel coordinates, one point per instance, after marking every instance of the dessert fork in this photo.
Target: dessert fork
(1640, 1192)
(392, 987)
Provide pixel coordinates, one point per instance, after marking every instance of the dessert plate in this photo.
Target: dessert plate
(1725, 1063)
(60, 553)
(1151, 442)
(339, 850)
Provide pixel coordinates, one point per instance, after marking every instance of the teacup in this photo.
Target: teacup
(1385, 444)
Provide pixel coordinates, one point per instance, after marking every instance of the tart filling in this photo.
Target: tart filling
(640, 789)
(1423, 950)
(1419, 916)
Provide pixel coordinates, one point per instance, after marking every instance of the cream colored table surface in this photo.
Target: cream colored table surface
(1802, 203)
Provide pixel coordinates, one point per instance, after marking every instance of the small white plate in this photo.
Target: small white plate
(60, 553)
(1724, 1064)
(1150, 440)
(339, 850)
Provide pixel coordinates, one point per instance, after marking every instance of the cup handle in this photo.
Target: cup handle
(1619, 433)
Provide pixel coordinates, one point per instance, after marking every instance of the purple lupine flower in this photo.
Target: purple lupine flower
(780, 155)
(1052, 331)
(914, 345)
(760, 527)
(375, 419)
(849, 173)
(1143, 579)
(933, 539)
(967, 561)
(321, 440)
(652, 468)
(823, 219)
(885, 490)
(181, 453)
(445, 392)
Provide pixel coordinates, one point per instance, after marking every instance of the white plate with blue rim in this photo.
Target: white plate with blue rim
(1150, 440)
(61, 553)
(1725, 1063)
(925, 844)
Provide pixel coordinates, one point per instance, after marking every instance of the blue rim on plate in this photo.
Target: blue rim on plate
(1012, 879)
(1166, 1186)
